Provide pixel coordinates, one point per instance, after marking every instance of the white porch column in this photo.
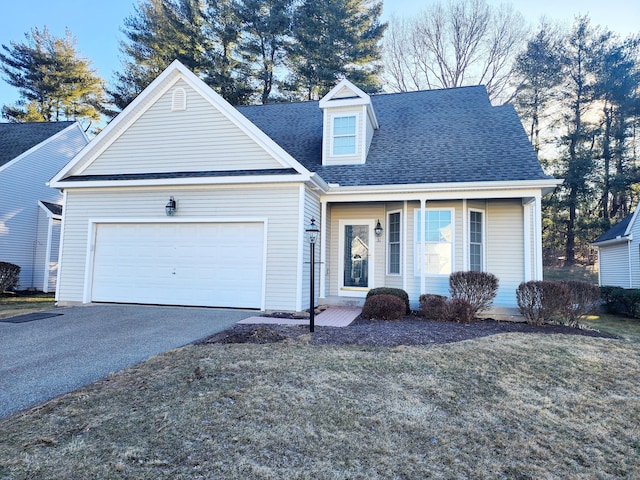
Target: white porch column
(529, 254)
(403, 250)
(423, 214)
(323, 249)
(537, 235)
(465, 236)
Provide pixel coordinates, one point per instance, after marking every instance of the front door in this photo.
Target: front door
(356, 251)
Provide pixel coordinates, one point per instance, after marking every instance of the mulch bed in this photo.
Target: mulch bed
(409, 331)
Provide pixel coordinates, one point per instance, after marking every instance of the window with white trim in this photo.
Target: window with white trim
(344, 135)
(476, 240)
(438, 242)
(393, 243)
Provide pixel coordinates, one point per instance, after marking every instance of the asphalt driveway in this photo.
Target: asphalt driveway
(44, 358)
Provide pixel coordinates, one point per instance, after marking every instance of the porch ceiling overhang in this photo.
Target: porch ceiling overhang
(526, 189)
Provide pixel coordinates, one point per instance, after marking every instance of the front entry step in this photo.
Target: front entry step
(334, 301)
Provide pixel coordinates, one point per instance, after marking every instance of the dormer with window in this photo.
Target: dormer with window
(349, 122)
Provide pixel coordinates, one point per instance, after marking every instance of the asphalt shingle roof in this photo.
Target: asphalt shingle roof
(17, 138)
(53, 207)
(616, 231)
(431, 136)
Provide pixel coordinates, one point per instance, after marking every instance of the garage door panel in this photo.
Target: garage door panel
(208, 264)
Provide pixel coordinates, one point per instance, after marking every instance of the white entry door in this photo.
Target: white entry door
(356, 262)
(199, 264)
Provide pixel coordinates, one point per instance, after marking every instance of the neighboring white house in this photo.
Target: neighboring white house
(451, 180)
(619, 254)
(30, 211)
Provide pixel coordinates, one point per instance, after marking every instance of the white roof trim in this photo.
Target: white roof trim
(145, 100)
(42, 144)
(362, 99)
(632, 221)
(49, 213)
(620, 239)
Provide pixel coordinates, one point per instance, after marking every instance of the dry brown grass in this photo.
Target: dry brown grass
(13, 305)
(511, 406)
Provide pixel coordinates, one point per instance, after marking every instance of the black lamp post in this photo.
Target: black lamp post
(312, 232)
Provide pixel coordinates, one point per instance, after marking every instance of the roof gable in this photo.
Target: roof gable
(152, 136)
(18, 138)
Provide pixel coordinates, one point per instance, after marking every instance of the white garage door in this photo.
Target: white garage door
(203, 264)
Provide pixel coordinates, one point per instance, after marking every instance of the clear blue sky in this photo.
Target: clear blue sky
(96, 25)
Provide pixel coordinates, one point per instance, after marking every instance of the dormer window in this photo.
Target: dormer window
(344, 135)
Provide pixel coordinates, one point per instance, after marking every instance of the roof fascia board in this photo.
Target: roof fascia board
(66, 184)
(42, 144)
(612, 241)
(341, 84)
(48, 212)
(471, 187)
(631, 222)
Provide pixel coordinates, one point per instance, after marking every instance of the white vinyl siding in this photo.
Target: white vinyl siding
(199, 138)
(504, 226)
(278, 204)
(311, 210)
(22, 185)
(614, 264)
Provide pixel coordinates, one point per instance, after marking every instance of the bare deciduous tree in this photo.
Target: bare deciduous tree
(465, 42)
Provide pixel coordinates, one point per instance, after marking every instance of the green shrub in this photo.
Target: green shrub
(583, 299)
(459, 310)
(477, 288)
(540, 301)
(433, 307)
(9, 276)
(383, 307)
(396, 292)
(611, 296)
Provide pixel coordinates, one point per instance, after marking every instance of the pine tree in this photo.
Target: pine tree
(335, 39)
(54, 83)
(267, 31)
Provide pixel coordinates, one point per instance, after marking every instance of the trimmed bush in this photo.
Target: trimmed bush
(623, 301)
(459, 310)
(9, 276)
(583, 299)
(477, 288)
(433, 307)
(396, 292)
(540, 301)
(383, 307)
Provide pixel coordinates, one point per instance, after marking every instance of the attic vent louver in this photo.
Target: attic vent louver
(179, 100)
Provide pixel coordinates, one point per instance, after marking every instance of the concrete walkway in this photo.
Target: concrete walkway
(43, 358)
(331, 317)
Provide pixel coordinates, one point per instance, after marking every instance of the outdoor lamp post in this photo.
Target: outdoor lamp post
(312, 231)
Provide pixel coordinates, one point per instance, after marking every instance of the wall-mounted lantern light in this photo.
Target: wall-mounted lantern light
(378, 229)
(170, 207)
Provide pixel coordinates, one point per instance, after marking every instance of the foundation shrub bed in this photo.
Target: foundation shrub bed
(433, 307)
(540, 301)
(383, 307)
(477, 288)
(441, 308)
(9, 275)
(396, 292)
(565, 302)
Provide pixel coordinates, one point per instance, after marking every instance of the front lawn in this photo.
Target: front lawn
(507, 406)
(22, 303)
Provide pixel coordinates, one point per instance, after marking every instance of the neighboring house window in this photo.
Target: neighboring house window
(438, 234)
(344, 135)
(476, 240)
(393, 243)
